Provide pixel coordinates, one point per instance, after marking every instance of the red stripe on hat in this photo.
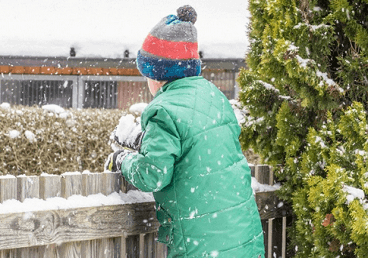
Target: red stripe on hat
(170, 49)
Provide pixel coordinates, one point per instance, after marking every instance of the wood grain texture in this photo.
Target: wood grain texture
(19, 230)
(71, 184)
(50, 186)
(8, 188)
(91, 183)
(110, 182)
(262, 174)
(28, 187)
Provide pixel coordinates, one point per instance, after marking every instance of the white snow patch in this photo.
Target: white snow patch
(353, 193)
(303, 62)
(14, 134)
(5, 105)
(258, 187)
(240, 111)
(53, 108)
(293, 48)
(74, 201)
(7, 176)
(30, 136)
(328, 81)
(320, 141)
(268, 86)
(316, 27)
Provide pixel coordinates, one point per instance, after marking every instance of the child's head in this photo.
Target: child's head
(170, 51)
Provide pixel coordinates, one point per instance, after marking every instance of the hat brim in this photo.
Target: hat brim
(161, 69)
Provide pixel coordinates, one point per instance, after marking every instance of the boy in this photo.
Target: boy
(189, 154)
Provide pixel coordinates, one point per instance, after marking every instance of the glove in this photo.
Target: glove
(114, 160)
(134, 142)
(127, 134)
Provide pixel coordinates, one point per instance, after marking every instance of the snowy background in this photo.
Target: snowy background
(107, 28)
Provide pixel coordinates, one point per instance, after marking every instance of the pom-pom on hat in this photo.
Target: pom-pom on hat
(170, 51)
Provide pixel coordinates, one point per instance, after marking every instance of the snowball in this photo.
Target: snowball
(125, 128)
(138, 108)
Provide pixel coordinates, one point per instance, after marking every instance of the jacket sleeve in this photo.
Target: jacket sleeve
(151, 169)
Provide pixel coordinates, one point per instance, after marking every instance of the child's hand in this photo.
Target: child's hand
(114, 160)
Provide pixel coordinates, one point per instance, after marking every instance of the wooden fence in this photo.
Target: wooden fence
(126, 230)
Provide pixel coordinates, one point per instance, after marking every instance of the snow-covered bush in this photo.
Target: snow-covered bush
(306, 91)
(53, 140)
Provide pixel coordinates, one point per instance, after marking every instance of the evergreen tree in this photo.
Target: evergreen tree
(306, 88)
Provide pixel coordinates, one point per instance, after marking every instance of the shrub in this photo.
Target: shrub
(35, 140)
(306, 91)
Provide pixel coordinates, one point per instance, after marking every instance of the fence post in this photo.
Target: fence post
(8, 190)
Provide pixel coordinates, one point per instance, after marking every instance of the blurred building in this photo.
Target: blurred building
(93, 82)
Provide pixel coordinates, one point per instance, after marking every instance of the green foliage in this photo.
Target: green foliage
(307, 89)
(54, 143)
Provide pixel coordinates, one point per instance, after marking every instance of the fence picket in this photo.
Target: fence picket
(8, 254)
(8, 188)
(111, 182)
(132, 246)
(149, 250)
(123, 248)
(91, 183)
(283, 248)
(71, 184)
(28, 187)
(71, 250)
(51, 251)
(37, 251)
(86, 249)
(50, 186)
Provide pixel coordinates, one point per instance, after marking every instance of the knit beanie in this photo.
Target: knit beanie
(170, 51)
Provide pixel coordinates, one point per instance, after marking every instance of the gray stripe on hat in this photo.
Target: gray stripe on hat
(182, 31)
(146, 54)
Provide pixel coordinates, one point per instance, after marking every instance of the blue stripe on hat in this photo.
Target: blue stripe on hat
(160, 69)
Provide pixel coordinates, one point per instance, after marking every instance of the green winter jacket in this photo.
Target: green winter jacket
(190, 157)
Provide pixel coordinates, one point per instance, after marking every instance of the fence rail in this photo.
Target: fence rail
(114, 230)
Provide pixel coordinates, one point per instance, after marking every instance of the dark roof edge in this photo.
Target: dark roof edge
(61, 62)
